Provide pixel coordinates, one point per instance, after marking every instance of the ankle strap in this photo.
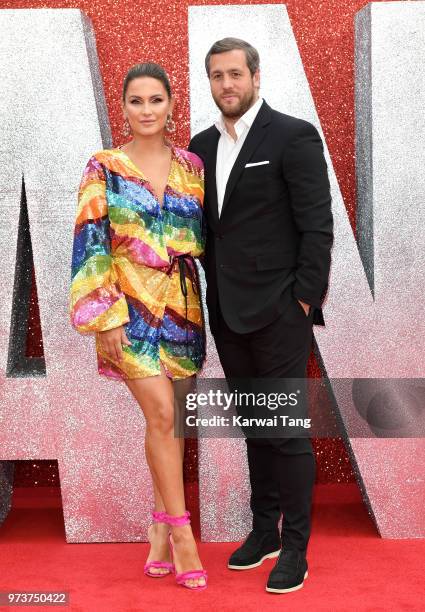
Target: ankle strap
(159, 517)
(177, 521)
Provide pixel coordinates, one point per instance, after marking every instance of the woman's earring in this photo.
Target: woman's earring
(126, 130)
(170, 125)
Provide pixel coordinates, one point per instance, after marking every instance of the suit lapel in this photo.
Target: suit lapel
(253, 139)
(210, 177)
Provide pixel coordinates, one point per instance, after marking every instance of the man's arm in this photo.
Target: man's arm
(195, 148)
(305, 172)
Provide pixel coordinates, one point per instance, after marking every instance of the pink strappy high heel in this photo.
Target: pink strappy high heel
(158, 517)
(179, 521)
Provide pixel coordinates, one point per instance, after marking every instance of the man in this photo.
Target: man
(267, 260)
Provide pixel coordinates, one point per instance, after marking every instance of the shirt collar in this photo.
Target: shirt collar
(245, 121)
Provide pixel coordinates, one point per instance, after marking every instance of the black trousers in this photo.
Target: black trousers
(281, 470)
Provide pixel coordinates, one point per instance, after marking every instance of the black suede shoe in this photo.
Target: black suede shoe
(289, 572)
(258, 546)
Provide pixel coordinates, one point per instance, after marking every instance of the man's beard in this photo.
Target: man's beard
(244, 104)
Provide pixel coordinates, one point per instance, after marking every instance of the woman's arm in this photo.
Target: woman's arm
(97, 303)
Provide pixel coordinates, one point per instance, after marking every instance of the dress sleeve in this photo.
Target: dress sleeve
(305, 172)
(197, 187)
(96, 300)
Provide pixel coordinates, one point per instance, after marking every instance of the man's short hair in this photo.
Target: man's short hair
(229, 44)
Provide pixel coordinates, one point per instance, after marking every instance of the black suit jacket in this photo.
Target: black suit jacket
(275, 232)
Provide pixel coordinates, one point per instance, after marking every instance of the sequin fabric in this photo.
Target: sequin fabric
(126, 268)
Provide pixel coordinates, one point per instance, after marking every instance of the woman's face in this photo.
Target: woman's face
(147, 106)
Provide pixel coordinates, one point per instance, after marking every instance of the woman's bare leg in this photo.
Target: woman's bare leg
(158, 532)
(155, 396)
(181, 389)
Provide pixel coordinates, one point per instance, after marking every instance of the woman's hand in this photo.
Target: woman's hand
(112, 341)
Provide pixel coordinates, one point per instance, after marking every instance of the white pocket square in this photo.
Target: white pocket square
(256, 164)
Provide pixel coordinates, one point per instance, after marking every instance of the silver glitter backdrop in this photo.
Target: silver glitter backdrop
(390, 132)
(366, 335)
(52, 118)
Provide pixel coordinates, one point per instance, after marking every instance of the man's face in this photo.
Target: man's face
(233, 87)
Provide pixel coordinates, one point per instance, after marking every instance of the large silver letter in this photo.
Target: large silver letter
(53, 117)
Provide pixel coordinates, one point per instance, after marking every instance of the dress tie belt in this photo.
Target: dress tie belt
(186, 263)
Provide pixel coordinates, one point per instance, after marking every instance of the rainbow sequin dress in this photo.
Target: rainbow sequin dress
(132, 264)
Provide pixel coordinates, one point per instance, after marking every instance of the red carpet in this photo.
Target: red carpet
(350, 566)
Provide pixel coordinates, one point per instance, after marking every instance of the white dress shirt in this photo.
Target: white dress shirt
(228, 149)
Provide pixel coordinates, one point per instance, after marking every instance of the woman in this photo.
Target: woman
(134, 284)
